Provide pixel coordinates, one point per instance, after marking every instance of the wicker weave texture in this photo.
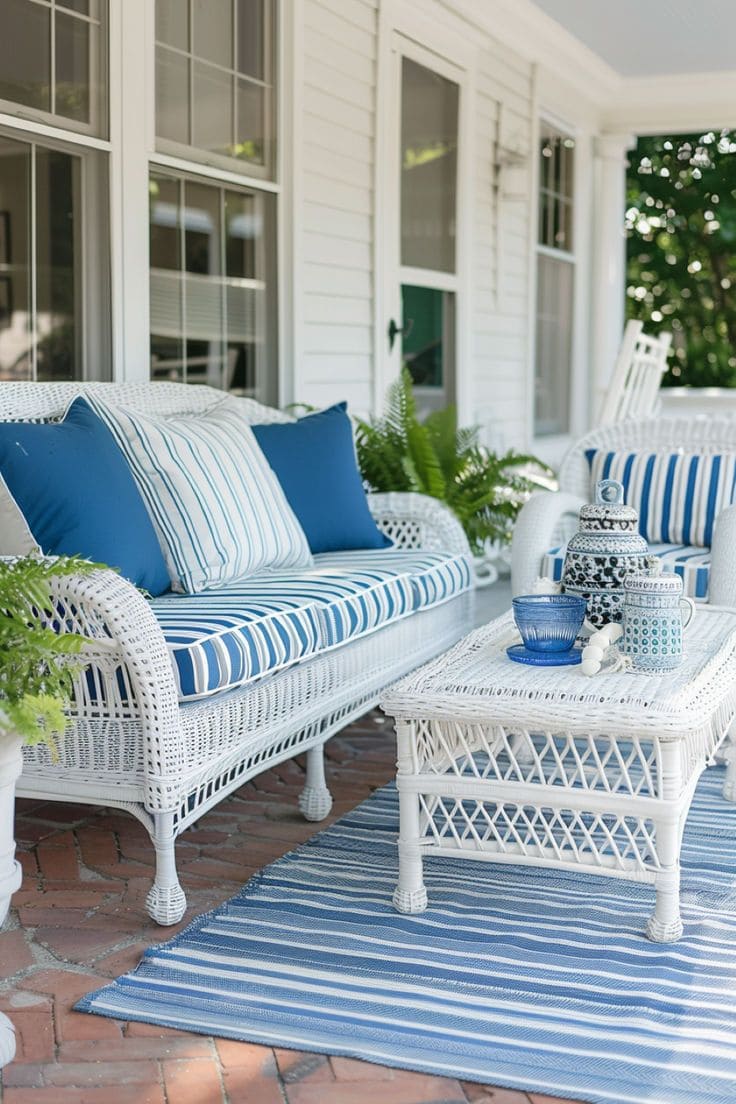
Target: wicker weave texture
(548, 519)
(542, 766)
(131, 745)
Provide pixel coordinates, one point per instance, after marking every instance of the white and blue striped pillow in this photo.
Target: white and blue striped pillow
(218, 509)
(678, 495)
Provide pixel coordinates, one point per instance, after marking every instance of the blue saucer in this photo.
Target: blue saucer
(520, 654)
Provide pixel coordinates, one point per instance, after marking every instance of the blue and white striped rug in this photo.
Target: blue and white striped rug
(516, 977)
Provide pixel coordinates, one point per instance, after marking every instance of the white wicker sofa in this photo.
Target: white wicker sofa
(136, 742)
(549, 518)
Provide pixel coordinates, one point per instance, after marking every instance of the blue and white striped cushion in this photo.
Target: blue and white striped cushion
(678, 495)
(229, 636)
(219, 511)
(233, 635)
(690, 563)
(435, 576)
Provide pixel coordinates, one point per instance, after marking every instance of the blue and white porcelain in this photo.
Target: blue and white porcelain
(655, 617)
(549, 625)
(606, 548)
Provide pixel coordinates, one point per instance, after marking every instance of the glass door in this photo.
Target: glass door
(426, 273)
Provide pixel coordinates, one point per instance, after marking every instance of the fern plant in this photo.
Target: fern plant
(37, 664)
(400, 452)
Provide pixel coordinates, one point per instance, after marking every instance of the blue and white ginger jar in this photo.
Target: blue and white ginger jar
(606, 549)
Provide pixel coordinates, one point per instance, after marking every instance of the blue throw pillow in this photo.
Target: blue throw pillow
(316, 465)
(74, 488)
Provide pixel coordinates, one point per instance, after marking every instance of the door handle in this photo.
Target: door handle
(395, 331)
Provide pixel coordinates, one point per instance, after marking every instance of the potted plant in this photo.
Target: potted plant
(37, 669)
(400, 452)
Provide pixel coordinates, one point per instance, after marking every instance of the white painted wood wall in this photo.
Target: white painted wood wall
(335, 132)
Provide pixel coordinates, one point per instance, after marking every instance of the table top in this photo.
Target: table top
(475, 681)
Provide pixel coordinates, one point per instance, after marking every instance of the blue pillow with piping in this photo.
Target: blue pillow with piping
(315, 462)
(77, 494)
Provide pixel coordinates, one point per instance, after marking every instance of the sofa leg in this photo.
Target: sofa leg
(165, 902)
(315, 800)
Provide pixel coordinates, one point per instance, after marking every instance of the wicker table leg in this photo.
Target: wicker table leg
(665, 924)
(410, 894)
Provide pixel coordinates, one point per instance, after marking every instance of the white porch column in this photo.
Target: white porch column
(609, 258)
(132, 35)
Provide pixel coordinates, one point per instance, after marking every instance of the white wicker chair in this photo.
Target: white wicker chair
(167, 763)
(548, 519)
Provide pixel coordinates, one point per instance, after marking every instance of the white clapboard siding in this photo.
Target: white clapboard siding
(336, 128)
(337, 135)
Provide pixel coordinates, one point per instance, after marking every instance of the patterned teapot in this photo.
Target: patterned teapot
(656, 615)
(606, 548)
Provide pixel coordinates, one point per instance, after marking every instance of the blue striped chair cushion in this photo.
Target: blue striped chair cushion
(690, 563)
(435, 576)
(219, 511)
(678, 495)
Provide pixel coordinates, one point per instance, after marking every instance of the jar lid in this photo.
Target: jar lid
(653, 580)
(609, 505)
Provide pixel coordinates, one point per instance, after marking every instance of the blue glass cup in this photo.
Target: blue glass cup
(549, 622)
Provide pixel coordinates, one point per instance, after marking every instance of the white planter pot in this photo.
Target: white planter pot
(11, 764)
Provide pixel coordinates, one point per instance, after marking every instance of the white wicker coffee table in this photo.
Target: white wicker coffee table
(504, 763)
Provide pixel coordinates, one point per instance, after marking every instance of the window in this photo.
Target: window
(52, 62)
(214, 81)
(212, 314)
(43, 269)
(429, 144)
(555, 283)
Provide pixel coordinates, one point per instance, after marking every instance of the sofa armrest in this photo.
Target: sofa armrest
(538, 524)
(129, 674)
(722, 584)
(418, 521)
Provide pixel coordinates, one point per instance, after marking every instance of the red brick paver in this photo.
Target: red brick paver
(78, 920)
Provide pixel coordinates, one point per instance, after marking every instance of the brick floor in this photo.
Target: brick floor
(78, 920)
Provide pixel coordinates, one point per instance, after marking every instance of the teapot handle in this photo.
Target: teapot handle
(689, 604)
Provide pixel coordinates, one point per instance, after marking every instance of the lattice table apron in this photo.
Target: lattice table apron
(505, 763)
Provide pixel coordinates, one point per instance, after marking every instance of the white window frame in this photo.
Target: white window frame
(97, 127)
(134, 155)
(404, 32)
(220, 163)
(551, 447)
(95, 287)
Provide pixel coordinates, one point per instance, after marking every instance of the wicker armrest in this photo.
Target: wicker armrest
(418, 521)
(538, 527)
(722, 585)
(129, 669)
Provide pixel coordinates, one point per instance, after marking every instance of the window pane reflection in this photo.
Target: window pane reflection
(72, 67)
(25, 54)
(429, 128)
(210, 278)
(58, 301)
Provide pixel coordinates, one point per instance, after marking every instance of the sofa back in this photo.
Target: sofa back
(47, 401)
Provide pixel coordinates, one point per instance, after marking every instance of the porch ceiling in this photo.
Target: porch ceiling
(647, 39)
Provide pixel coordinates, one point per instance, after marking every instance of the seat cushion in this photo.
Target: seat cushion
(317, 467)
(691, 563)
(217, 506)
(435, 576)
(677, 495)
(229, 636)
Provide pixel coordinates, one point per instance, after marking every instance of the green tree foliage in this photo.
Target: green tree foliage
(681, 251)
(37, 664)
(398, 452)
